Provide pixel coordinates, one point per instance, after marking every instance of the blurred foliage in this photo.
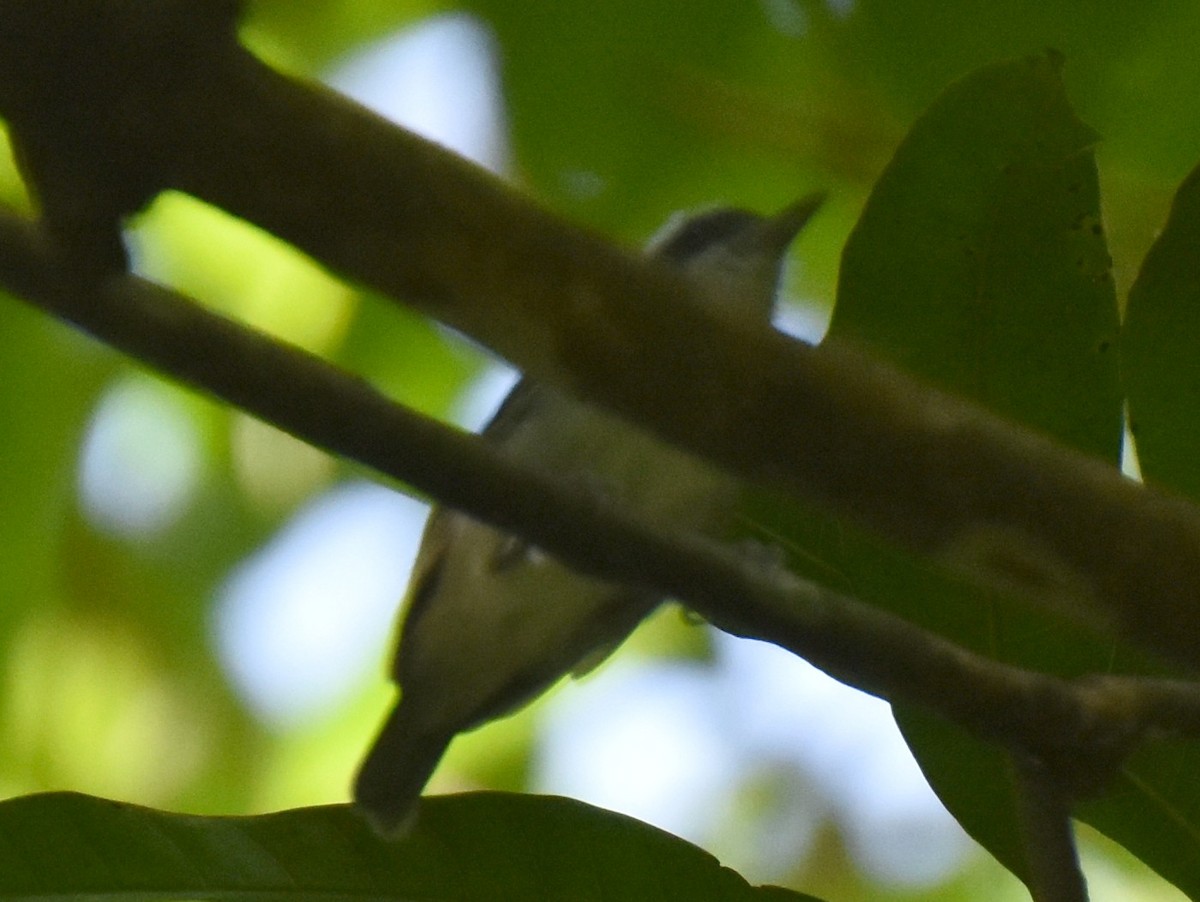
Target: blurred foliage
(620, 112)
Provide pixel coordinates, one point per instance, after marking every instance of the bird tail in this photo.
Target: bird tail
(396, 769)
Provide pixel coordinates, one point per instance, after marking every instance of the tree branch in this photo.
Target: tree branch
(1054, 872)
(1087, 725)
(382, 206)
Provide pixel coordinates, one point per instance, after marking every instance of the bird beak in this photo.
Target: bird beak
(780, 230)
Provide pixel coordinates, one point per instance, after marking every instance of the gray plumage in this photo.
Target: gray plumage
(490, 622)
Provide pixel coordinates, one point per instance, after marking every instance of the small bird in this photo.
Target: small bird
(491, 621)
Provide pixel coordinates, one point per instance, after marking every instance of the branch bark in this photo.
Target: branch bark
(1054, 871)
(380, 205)
(1086, 726)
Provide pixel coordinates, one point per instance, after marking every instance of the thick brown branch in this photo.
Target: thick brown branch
(827, 424)
(1100, 718)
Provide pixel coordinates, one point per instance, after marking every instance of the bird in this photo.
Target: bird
(490, 621)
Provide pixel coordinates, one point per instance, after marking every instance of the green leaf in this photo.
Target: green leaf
(1160, 367)
(1160, 349)
(486, 846)
(980, 264)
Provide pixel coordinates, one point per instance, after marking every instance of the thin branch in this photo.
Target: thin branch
(1053, 873)
(372, 201)
(1097, 719)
